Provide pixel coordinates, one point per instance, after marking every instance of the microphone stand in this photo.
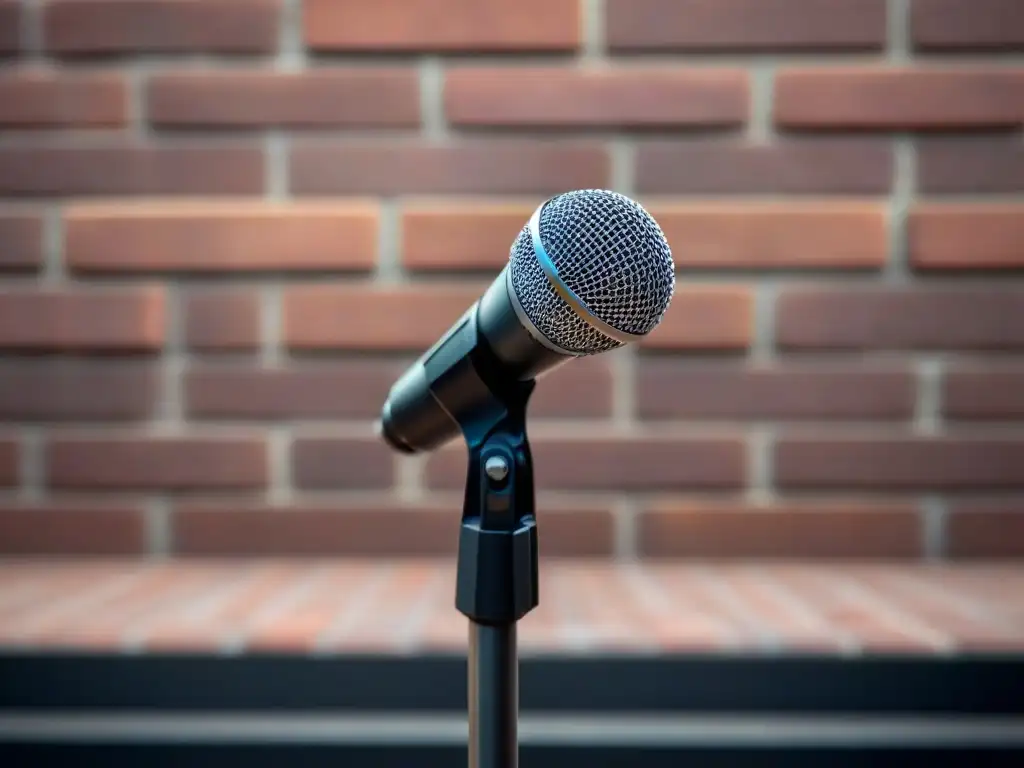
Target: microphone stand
(497, 574)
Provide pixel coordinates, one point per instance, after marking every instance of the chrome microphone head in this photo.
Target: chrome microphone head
(591, 271)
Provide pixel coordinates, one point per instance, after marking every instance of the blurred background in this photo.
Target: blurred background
(227, 225)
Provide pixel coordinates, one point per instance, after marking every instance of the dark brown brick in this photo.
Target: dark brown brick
(905, 463)
(668, 388)
(356, 98)
(131, 170)
(985, 530)
(10, 462)
(983, 393)
(775, 235)
(74, 27)
(367, 318)
(223, 320)
(366, 531)
(819, 166)
(899, 99)
(609, 463)
(10, 26)
(745, 25)
(958, 25)
(506, 166)
(75, 390)
(964, 237)
(798, 530)
(468, 25)
(320, 463)
(221, 237)
(349, 389)
(899, 319)
(706, 318)
(43, 99)
(567, 96)
(21, 242)
(64, 320)
(157, 463)
(71, 529)
(969, 165)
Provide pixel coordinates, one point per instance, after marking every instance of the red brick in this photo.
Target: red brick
(10, 26)
(126, 169)
(610, 463)
(808, 165)
(581, 388)
(221, 237)
(349, 389)
(42, 99)
(551, 97)
(951, 25)
(797, 530)
(77, 390)
(157, 463)
(984, 392)
(366, 531)
(10, 462)
(901, 318)
(77, 27)
(65, 320)
(320, 463)
(71, 529)
(366, 318)
(460, 236)
(223, 320)
(353, 98)
(899, 99)
(680, 389)
(706, 317)
(775, 235)
(985, 530)
(970, 165)
(745, 25)
(442, 25)
(966, 236)
(497, 166)
(21, 242)
(899, 463)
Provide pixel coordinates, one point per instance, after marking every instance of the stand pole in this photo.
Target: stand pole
(497, 577)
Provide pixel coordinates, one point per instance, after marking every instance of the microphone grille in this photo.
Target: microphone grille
(608, 251)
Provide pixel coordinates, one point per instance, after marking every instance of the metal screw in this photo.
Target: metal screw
(496, 468)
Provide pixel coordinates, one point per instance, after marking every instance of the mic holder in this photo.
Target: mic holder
(497, 573)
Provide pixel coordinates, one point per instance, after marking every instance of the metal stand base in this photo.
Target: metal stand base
(497, 582)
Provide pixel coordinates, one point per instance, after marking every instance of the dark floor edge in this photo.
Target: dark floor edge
(709, 684)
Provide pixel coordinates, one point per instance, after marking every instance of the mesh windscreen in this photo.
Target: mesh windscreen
(611, 253)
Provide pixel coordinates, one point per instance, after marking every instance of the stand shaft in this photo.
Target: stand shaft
(493, 696)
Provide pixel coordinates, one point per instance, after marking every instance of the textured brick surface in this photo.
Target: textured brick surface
(21, 241)
(221, 237)
(745, 25)
(468, 25)
(46, 100)
(228, 226)
(567, 97)
(89, 27)
(359, 98)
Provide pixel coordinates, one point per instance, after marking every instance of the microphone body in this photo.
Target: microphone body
(590, 272)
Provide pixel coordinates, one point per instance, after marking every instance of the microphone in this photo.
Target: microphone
(590, 272)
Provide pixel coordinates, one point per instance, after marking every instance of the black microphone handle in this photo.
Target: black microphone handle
(486, 347)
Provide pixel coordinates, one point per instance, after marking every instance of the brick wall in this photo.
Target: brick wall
(226, 225)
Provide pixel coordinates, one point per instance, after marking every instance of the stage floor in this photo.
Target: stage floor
(407, 607)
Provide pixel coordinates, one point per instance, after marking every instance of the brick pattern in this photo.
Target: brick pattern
(405, 606)
(226, 226)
